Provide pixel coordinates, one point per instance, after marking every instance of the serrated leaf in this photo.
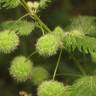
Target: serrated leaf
(84, 86)
(9, 3)
(86, 24)
(74, 40)
(44, 3)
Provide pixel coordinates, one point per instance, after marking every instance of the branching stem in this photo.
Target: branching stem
(35, 16)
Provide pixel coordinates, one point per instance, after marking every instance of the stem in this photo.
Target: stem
(18, 21)
(31, 54)
(69, 74)
(79, 66)
(57, 65)
(22, 17)
(40, 22)
(40, 28)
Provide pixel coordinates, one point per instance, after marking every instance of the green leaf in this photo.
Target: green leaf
(44, 3)
(77, 40)
(86, 24)
(85, 86)
(9, 3)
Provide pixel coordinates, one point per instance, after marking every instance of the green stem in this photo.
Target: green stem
(32, 54)
(69, 74)
(18, 21)
(41, 23)
(35, 17)
(22, 17)
(57, 65)
(79, 66)
(40, 28)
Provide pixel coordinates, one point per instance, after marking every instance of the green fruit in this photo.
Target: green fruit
(21, 69)
(8, 41)
(59, 32)
(68, 91)
(51, 88)
(39, 74)
(47, 45)
(22, 27)
(85, 86)
(25, 28)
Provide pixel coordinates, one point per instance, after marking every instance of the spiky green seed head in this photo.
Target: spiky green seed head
(26, 28)
(85, 86)
(39, 74)
(47, 45)
(76, 33)
(68, 90)
(21, 69)
(51, 88)
(8, 41)
(22, 27)
(93, 57)
(59, 32)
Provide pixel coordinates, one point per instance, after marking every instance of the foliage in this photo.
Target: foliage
(8, 41)
(85, 86)
(21, 69)
(9, 3)
(39, 74)
(47, 45)
(22, 27)
(76, 39)
(51, 88)
(64, 54)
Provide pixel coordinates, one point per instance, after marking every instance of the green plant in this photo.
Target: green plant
(51, 88)
(72, 49)
(21, 69)
(39, 74)
(85, 86)
(8, 41)
(47, 45)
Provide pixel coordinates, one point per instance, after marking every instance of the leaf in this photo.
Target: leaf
(77, 40)
(86, 24)
(44, 3)
(84, 86)
(9, 3)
